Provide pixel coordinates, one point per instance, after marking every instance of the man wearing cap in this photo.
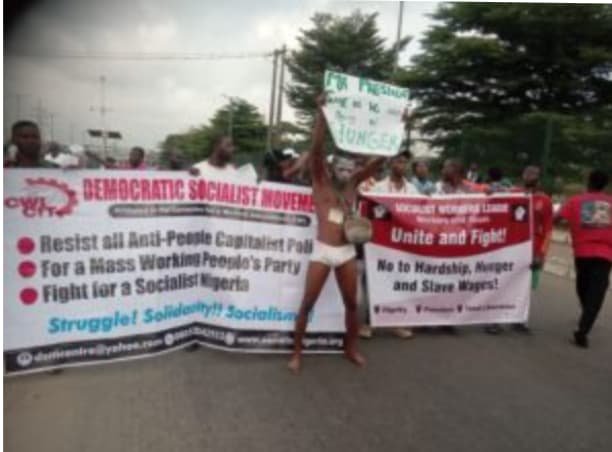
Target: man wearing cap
(283, 166)
(62, 159)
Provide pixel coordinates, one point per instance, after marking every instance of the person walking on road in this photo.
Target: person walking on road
(589, 216)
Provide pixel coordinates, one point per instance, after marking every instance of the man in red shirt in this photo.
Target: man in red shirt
(542, 209)
(590, 220)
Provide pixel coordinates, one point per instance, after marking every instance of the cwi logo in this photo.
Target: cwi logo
(44, 198)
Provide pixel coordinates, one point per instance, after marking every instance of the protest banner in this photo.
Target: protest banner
(448, 260)
(102, 266)
(364, 116)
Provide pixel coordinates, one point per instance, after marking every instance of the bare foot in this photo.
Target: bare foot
(355, 357)
(295, 364)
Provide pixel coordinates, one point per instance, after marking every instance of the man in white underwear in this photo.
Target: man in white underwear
(334, 189)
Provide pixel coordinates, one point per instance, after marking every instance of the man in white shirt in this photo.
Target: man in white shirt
(452, 182)
(396, 182)
(59, 157)
(220, 164)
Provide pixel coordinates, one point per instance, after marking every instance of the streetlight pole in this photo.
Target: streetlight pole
(102, 114)
(281, 81)
(272, 98)
(399, 35)
(103, 110)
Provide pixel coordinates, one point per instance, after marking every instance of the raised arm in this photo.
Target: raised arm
(297, 166)
(370, 169)
(318, 168)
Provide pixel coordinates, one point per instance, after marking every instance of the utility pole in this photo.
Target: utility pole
(547, 145)
(408, 130)
(272, 99)
(72, 133)
(281, 82)
(102, 114)
(103, 110)
(399, 35)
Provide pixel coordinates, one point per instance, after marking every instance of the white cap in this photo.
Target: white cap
(290, 152)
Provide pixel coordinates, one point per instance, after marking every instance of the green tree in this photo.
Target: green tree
(493, 77)
(350, 44)
(238, 118)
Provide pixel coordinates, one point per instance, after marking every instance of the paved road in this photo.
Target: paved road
(434, 393)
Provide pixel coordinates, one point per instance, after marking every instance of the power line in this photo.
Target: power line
(139, 56)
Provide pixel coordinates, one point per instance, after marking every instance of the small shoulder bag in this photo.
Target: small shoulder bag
(357, 229)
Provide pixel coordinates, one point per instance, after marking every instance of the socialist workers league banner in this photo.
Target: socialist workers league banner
(364, 116)
(448, 260)
(108, 265)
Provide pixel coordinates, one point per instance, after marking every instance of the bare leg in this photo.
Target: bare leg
(346, 275)
(315, 279)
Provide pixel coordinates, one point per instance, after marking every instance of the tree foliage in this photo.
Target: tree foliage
(350, 44)
(239, 118)
(492, 77)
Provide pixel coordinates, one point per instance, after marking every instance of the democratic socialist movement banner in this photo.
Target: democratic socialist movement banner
(102, 266)
(108, 265)
(365, 116)
(449, 260)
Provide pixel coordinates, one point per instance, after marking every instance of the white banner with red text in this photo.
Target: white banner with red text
(103, 266)
(449, 260)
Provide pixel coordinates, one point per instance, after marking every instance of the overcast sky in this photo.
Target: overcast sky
(150, 99)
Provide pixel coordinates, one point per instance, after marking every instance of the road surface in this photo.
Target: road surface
(434, 393)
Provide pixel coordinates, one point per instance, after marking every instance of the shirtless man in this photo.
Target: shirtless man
(334, 191)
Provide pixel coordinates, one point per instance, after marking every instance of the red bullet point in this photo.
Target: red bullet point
(27, 269)
(25, 245)
(29, 296)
